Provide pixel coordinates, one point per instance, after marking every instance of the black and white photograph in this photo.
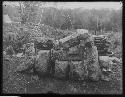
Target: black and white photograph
(62, 47)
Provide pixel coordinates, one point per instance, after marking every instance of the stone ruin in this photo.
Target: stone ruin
(75, 57)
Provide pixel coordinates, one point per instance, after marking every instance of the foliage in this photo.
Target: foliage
(104, 19)
(92, 19)
(116, 43)
(54, 23)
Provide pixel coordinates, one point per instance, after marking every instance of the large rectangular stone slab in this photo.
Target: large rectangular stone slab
(78, 71)
(61, 69)
(43, 58)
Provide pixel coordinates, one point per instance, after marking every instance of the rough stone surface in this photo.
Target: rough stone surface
(91, 61)
(78, 71)
(72, 54)
(42, 61)
(59, 55)
(74, 39)
(105, 62)
(61, 69)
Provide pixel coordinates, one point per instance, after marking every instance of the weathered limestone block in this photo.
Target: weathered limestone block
(59, 55)
(61, 69)
(43, 61)
(83, 34)
(74, 39)
(78, 71)
(66, 55)
(91, 61)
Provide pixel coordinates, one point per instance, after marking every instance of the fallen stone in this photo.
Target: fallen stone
(106, 65)
(108, 60)
(105, 61)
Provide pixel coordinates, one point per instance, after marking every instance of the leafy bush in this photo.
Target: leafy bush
(116, 43)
